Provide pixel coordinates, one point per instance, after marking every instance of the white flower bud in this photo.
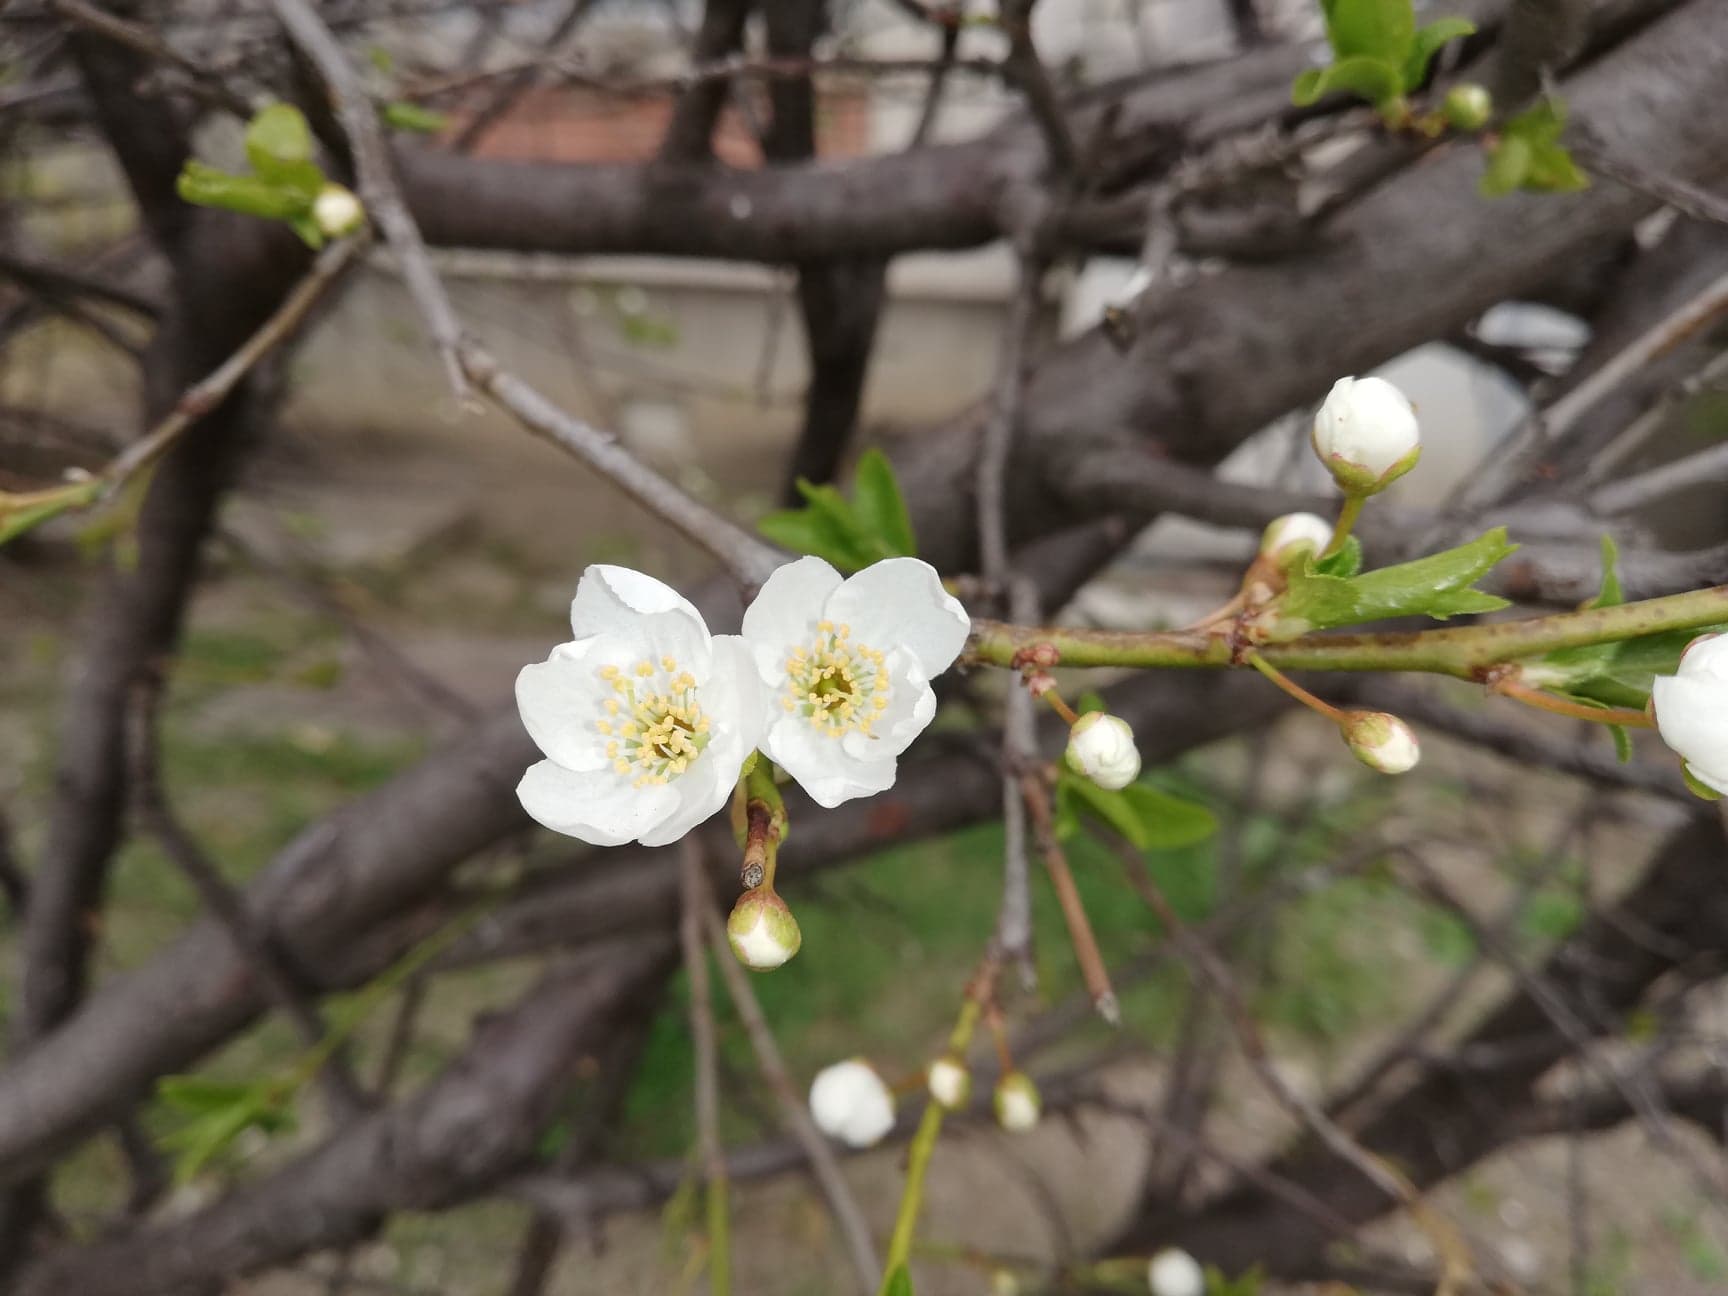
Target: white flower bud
(851, 1103)
(1101, 746)
(1366, 434)
(336, 211)
(1017, 1103)
(950, 1082)
(1284, 535)
(1380, 741)
(1004, 1283)
(762, 931)
(1175, 1273)
(1691, 708)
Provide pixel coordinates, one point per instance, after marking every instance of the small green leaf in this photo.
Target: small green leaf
(1114, 808)
(899, 1283)
(205, 186)
(1508, 165)
(880, 506)
(1438, 586)
(279, 147)
(15, 520)
(1428, 42)
(1373, 79)
(1619, 673)
(1611, 594)
(199, 1095)
(1346, 562)
(1379, 29)
(806, 531)
(1168, 822)
(1553, 170)
(1622, 743)
(405, 116)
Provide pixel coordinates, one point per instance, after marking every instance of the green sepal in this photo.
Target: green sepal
(1696, 788)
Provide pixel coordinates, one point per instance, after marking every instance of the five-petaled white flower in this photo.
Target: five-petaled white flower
(851, 1102)
(1691, 709)
(849, 664)
(645, 719)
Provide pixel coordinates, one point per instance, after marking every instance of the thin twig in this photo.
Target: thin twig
(824, 1165)
(205, 82)
(709, 1149)
(377, 181)
(1092, 969)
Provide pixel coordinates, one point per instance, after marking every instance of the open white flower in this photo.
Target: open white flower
(1366, 434)
(850, 1102)
(1691, 709)
(645, 719)
(1173, 1272)
(849, 664)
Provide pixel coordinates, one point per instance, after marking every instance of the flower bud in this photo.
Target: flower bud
(950, 1082)
(1101, 746)
(1284, 536)
(1468, 106)
(1691, 710)
(1366, 434)
(762, 931)
(851, 1103)
(1380, 741)
(1017, 1103)
(336, 211)
(1174, 1272)
(1004, 1283)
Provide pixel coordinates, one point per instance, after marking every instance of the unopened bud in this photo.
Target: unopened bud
(1017, 1103)
(1380, 741)
(1175, 1273)
(1468, 106)
(1366, 434)
(1284, 537)
(336, 211)
(850, 1102)
(762, 931)
(950, 1082)
(1101, 746)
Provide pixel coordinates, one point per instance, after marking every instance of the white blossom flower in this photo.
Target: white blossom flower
(336, 211)
(1018, 1105)
(645, 719)
(1366, 434)
(1380, 741)
(1101, 746)
(851, 1103)
(1175, 1273)
(849, 664)
(950, 1082)
(762, 931)
(1691, 709)
(1278, 542)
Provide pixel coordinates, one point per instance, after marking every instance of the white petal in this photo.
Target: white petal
(1707, 656)
(733, 695)
(900, 603)
(700, 791)
(822, 765)
(560, 700)
(601, 809)
(785, 611)
(1692, 717)
(609, 598)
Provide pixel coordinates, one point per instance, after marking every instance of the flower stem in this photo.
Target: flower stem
(1348, 512)
(1535, 697)
(764, 827)
(1061, 708)
(929, 1128)
(1294, 689)
(1464, 652)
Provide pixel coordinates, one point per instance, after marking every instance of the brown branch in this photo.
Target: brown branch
(1092, 969)
(794, 1114)
(690, 133)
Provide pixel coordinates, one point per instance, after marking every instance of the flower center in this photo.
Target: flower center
(654, 726)
(839, 685)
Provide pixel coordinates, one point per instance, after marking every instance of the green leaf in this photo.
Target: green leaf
(879, 505)
(1114, 808)
(1611, 594)
(811, 531)
(15, 520)
(1373, 79)
(405, 116)
(198, 1095)
(1438, 586)
(1619, 673)
(1553, 170)
(1428, 42)
(220, 1111)
(899, 1283)
(1346, 562)
(832, 527)
(1622, 743)
(1379, 29)
(205, 186)
(1168, 822)
(279, 147)
(1508, 165)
